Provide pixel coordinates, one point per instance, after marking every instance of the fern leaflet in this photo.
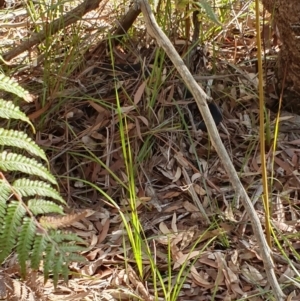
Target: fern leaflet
(12, 161)
(21, 140)
(25, 187)
(59, 236)
(25, 240)
(8, 85)
(19, 230)
(49, 260)
(5, 193)
(40, 206)
(15, 213)
(38, 249)
(67, 248)
(59, 262)
(9, 111)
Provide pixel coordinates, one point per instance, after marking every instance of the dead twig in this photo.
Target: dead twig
(201, 98)
(127, 21)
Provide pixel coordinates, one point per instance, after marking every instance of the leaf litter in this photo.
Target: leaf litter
(186, 204)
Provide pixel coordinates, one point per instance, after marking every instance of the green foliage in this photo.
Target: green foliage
(20, 140)
(40, 206)
(208, 10)
(24, 199)
(9, 111)
(11, 161)
(25, 187)
(8, 85)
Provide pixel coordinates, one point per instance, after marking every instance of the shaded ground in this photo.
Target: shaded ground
(175, 166)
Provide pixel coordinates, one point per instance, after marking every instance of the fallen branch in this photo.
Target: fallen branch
(201, 98)
(127, 21)
(52, 28)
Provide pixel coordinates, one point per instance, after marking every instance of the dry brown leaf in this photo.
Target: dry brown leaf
(91, 268)
(289, 273)
(284, 227)
(164, 229)
(206, 258)
(93, 254)
(144, 120)
(231, 278)
(199, 279)
(98, 136)
(139, 286)
(173, 223)
(116, 166)
(245, 254)
(76, 296)
(19, 291)
(235, 287)
(189, 207)
(186, 239)
(255, 164)
(89, 142)
(199, 190)
(41, 111)
(93, 240)
(177, 175)
(138, 129)
(127, 109)
(170, 194)
(196, 176)
(74, 113)
(139, 93)
(182, 160)
(252, 275)
(167, 173)
(229, 214)
(291, 296)
(104, 232)
(176, 239)
(183, 258)
(284, 165)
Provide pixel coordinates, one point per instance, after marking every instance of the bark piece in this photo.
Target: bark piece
(286, 22)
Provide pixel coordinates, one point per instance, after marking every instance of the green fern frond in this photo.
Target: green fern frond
(21, 140)
(25, 187)
(67, 248)
(39, 246)
(5, 193)
(21, 231)
(8, 85)
(9, 111)
(16, 162)
(59, 262)
(73, 257)
(65, 272)
(25, 240)
(49, 260)
(14, 215)
(40, 206)
(59, 237)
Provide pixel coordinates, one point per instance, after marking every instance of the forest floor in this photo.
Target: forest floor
(122, 140)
